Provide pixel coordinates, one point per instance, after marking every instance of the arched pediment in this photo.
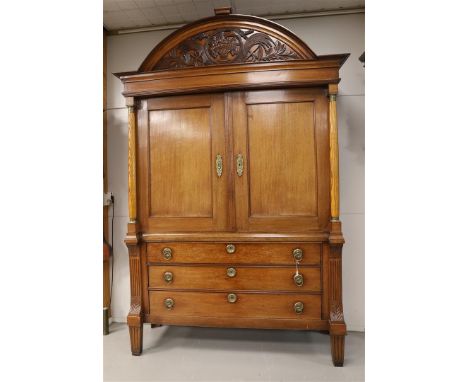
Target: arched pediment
(226, 39)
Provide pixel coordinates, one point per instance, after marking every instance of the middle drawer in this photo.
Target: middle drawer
(219, 277)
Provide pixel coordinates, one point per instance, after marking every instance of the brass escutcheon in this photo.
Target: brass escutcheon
(231, 297)
(219, 165)
(167, 253)
(297, 254)
(299, 279)
(298, 307)
(231, 272)
(169, 303)
(168, 277)
(230, 248)
(240, 164)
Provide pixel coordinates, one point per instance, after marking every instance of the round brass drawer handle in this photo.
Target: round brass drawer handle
(299, 279)
(231, 272)
(168, 277)
(297, 254)
(230, 248)
(232, 298)
(167, 253)
(169, 303)
(298, 307)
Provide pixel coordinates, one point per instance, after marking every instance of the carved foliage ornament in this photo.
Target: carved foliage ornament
(226, 46)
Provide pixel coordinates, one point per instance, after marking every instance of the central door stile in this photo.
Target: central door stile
(228, 132)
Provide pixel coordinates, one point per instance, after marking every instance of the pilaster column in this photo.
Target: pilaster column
(135, 315)
(132, 197)
(336, 318)
(334, 154)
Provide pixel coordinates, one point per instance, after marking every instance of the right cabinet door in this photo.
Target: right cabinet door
(281, 160)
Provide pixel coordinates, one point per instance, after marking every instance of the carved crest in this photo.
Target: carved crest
(227, 46)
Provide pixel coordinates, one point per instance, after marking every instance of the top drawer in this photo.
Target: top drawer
(235, 253)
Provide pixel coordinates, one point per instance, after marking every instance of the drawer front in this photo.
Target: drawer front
(219, 277)
(241, 253)
(216, 304)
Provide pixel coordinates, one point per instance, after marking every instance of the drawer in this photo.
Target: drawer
(242, 253)
(229, 277)
(251, 305)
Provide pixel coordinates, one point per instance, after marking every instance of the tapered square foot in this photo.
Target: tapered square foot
(136, 339)
(337, 349)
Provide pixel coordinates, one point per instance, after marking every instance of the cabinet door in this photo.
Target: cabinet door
(282, 136)
(180, 140)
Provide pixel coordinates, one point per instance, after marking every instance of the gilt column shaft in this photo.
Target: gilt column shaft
(132, 197)
(334, 156)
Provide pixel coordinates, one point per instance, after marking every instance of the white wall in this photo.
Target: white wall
(325, 35)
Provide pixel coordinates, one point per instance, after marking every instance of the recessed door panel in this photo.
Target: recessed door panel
(182, 143)
(180, 157)
(282, 159)
(282, 136)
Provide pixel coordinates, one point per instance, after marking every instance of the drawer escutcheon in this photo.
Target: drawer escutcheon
(231, 272)
(299, 307)
(297, 254)
(168, 277)
(169, 303)
(167, 253)
(230, 248)
(299, 279)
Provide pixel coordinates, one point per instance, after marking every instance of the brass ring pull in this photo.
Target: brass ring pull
(168, 277)
(299, 307)
(299, 279)
(167, 253)
(231, 272)
(230, 248)
(297, 254)
(232, 298)
(169, 303)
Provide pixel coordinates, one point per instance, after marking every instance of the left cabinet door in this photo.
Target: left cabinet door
(182, 164)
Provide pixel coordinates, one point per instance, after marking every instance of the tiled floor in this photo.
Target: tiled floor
(199, 354)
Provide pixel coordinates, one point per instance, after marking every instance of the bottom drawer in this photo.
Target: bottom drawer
(231, 305)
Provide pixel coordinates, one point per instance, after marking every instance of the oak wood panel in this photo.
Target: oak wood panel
(239, 322)
(247, 305)
(246, 278)
(245, 253)
(283, 135)
(180, 190)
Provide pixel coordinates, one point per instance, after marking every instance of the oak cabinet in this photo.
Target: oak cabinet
(233, 182)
